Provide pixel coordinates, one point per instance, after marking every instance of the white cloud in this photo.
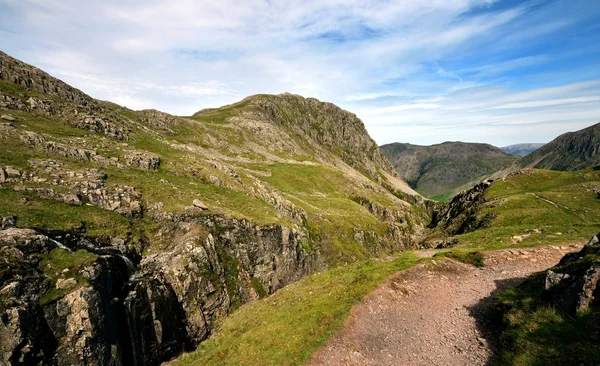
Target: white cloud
(392, 62)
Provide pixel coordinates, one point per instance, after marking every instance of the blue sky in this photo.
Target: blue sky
(416, 71)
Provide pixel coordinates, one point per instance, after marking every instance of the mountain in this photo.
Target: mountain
(569, 151)
(127, 235)
(442, 170)
(521, 149)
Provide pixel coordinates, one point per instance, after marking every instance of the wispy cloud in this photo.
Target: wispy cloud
(414, 70)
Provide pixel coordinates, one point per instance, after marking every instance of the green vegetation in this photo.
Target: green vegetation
(535, 208)
(441, 171)
(49, 214)
(62, 264)
(472, 258)
(287, 327)
(536, 334)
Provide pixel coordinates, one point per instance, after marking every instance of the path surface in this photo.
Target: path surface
(434, 313)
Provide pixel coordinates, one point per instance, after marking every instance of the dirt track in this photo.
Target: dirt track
(434, 313)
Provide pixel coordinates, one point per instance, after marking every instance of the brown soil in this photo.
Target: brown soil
(434, 313)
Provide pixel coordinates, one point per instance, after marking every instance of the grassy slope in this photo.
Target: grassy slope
(324, 191)
(549, 206)
(286, 328)
(289, 326)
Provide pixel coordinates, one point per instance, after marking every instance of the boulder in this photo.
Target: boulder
(65, 283)
(8, 117)
(199, 204)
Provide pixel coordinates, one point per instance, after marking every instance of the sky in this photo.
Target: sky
(424, 72)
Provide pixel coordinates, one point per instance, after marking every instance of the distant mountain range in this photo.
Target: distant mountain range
(569, 151)
(442, 170)
(521, 149)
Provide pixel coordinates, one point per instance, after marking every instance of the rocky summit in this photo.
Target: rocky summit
(127, 235)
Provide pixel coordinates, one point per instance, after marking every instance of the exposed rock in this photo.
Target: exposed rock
(199, 204)
(8, 222)
(141, 316)
(142, 160)
(594, 240)
(160, 120)
(553, 279)
(8, 117)
(12, 172)
(215, 180)
(461, 214)
(66, 283)
(572, 285)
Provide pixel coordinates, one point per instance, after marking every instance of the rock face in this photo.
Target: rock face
(570, 151)
(572, 286)
(338, 130)
(459, 217)
(443, 169)
(109, 312)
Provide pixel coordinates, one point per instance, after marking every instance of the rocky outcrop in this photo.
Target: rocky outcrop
(160, 120)
(340, 131)
(103, 309)
(572, 286)
(142, 160)
(460, 215)
(90, 114)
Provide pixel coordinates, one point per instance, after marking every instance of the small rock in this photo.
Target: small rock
(12, 172)
(8, 117)
(553, 278)
(199, 204)
(8, 222)
(65, 284)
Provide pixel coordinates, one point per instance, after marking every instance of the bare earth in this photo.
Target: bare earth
(434, 313)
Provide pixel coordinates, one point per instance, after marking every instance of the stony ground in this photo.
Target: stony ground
(435, 313)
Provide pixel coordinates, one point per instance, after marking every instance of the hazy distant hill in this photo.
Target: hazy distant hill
(521, 149)
(569, 151)
(439, 171)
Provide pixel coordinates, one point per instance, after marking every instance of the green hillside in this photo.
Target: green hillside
(440, 171)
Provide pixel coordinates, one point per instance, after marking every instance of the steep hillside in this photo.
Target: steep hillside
(521, 149)
(127, 234)
(570, 151)
(528, 207)
(440, 171)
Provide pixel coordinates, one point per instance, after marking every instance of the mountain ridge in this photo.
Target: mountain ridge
(522, 149)
(569, 151)
(160, 226)
(443, 170)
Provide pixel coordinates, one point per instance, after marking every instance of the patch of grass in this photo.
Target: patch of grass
(62, 264)
(287, 327)
(536, 334)
(472, 258)
(54, 215)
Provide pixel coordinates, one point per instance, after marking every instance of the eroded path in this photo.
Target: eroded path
(434, 313)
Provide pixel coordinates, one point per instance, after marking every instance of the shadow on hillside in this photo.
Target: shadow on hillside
(489, 318)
